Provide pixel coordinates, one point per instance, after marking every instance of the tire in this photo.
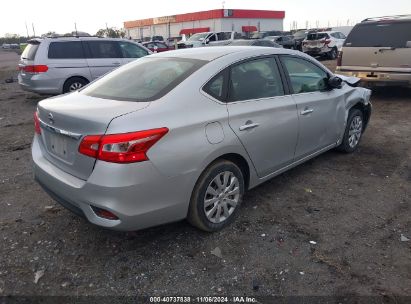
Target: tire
(215, 217)
(73, 84)
(353, 132)
(333, 53)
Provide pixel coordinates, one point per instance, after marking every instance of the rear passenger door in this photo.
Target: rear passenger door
(317, 106)
(261, 113)
(103, 57)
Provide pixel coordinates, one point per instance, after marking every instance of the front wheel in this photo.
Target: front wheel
(353, 131)
(217, 196)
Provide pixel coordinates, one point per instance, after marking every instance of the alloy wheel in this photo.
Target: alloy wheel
(221, 197)
(355, 131)
(75, 86)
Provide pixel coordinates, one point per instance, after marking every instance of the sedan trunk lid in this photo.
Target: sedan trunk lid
(66, 119)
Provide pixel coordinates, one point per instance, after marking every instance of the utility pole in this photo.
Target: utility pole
(34, 32)
(27, 30)
(75, 27)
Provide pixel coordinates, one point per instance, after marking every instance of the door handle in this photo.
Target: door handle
(307, 111)
(116, 63)
(249, 126)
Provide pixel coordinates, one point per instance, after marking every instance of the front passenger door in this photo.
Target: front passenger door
(317, 105)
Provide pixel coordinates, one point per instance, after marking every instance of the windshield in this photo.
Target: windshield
(145, 79)
(198, 37)
(387, 34)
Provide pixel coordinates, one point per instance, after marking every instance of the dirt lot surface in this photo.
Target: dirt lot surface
(354, 207)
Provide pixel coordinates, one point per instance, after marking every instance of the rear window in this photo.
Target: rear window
(317, 36)
(66, 50)
(30, 51)
(395, 34)
(146, 79)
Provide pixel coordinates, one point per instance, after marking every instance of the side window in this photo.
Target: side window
(305, 76)
(335, 35)
(131, 50)
(215, 87)
(342, 36)
(265, 43)
(212, 38)
(104, 49)
(255, 79)
(66, 50)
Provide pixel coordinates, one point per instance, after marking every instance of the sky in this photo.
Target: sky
(91, 15)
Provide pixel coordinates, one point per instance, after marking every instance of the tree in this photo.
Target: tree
(49, 34)
(111, 32)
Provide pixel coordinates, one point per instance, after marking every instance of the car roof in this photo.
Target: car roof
(212, 53)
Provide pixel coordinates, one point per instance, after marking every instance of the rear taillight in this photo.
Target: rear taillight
(121, 148)
(37, 128)
(327, 42)
(34, 69)
(339, 58)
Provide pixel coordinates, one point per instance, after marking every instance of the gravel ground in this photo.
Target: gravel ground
(353, 208)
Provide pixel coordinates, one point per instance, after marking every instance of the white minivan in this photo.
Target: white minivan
(64, 64)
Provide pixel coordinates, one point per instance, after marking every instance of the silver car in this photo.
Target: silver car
(183, 134)
(63, 64)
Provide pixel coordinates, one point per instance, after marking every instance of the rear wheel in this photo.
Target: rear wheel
(73, 84)
(353, 131)
(217, 196)
(333, 54)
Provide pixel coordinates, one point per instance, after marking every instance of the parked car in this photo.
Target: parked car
(203, 39)
(190, 134)
(263, 34)
(299, 37)
(378, 50)
(323, 44)
(64, 64)
(286, 41)
(157, 46)
(254, 42)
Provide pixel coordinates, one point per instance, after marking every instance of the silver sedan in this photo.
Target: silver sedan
(183, 134)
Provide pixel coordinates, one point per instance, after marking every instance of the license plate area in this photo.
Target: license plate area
(58, 146)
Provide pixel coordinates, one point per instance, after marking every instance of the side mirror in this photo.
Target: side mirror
(334, 82)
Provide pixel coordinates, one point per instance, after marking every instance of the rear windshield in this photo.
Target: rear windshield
(317, 36)
(394, 34)
(145, 79)
(30, 51)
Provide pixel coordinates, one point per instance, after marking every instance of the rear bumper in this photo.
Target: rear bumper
(316, 51)
(37, 84)
(378, 78)
(137, 194)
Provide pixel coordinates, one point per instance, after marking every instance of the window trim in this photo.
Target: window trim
(287, 76)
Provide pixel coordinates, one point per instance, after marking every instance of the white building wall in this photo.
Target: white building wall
(224, 24)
